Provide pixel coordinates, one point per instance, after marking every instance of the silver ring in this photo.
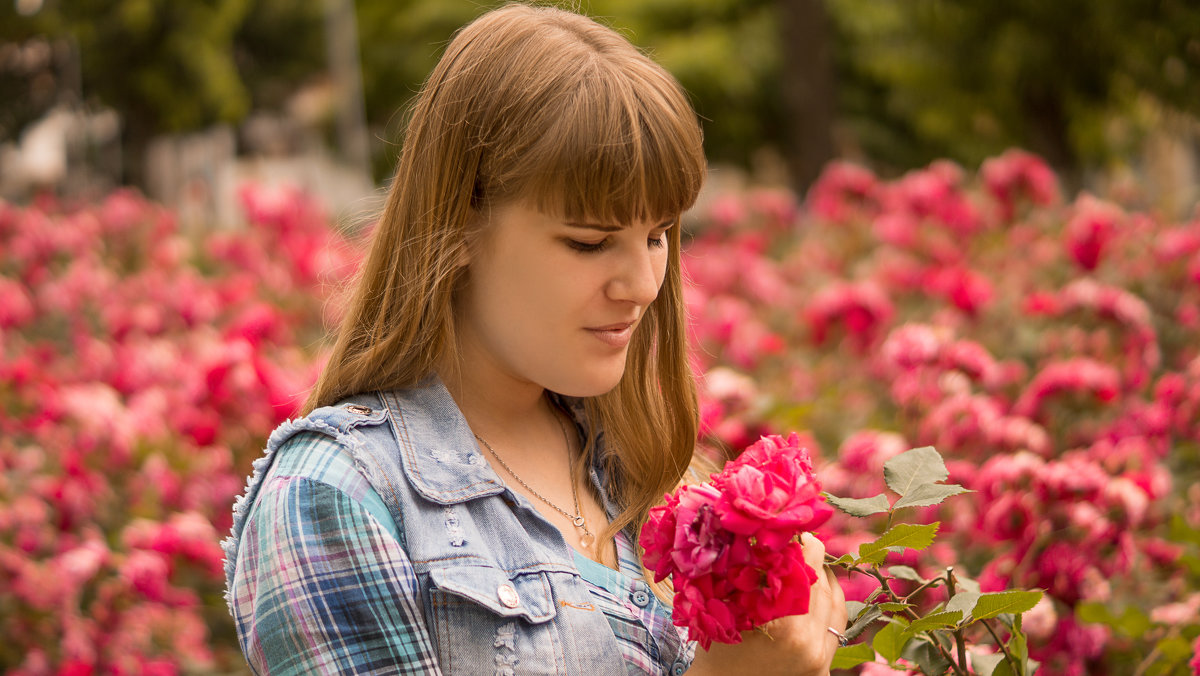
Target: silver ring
(842, 640)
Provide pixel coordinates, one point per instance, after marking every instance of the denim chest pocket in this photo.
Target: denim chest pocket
(485, 622)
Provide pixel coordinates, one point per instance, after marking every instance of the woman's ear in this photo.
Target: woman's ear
(472, 233)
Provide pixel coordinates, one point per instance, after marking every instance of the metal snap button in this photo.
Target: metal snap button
(508, 596)
(361, 410)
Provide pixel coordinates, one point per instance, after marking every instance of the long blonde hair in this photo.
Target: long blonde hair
(541, 104)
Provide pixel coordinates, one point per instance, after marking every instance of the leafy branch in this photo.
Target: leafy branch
(937, 641)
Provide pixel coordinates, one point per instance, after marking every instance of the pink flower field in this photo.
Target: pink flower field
(1047, 345)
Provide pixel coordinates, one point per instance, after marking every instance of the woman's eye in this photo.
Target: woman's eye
(659, 242)
(588, 247)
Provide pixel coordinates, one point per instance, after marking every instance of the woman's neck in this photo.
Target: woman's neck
(496, 406)
(501, 414)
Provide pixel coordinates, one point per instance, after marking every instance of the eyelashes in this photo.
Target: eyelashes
(659, 242)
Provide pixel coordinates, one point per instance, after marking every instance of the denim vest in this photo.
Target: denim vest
(497, 580)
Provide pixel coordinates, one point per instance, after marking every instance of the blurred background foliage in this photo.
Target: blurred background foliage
(894, 84)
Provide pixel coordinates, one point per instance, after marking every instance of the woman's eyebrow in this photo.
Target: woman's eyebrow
(614, 228)
(596, 226)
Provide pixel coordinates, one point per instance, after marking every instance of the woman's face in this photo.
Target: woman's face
(553, 303)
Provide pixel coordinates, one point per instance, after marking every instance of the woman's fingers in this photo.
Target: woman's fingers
(829, 601)
(839, 599)
(814, 551)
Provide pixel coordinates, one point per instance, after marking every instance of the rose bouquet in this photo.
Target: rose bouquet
(731, 546)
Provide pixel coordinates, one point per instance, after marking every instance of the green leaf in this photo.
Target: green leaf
(891, 607)
(963, 601)
(874, 557)
(926, 495)
(860, 625)
(1181, 531)
(985, 665)
(914, 468)
(853, 608)
(927, 658)
(906, 573)
(860, 507)
(844, 559)
(912, 536)
(889, 641)
(1094, 612)
(852, 656)
(1134, 622)
(1017, 647)
(934, 621)
(1174, 648)
(1014, 601)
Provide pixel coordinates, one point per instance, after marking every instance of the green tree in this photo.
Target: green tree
(897, 83)
(166, 66)
(172, 66)
(1067, 79)
(725, 52)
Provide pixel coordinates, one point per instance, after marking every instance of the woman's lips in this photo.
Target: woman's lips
(614, 335)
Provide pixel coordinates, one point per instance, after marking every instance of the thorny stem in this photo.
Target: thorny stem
(829, 559)
(959, 667)
(958, 633)
(874, 594)
(1004, 649)
(923, 587)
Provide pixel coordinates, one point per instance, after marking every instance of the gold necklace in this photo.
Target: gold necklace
(577, 519)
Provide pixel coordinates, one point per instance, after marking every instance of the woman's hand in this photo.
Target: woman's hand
(795, 645)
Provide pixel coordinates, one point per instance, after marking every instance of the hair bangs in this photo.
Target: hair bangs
(622, 150)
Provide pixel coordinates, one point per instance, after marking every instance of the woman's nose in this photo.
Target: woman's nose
(639, 278)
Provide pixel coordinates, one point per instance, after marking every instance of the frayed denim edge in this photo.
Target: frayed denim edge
(241, 506)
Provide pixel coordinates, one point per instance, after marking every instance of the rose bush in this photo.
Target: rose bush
(1047, 345)
(141, 369)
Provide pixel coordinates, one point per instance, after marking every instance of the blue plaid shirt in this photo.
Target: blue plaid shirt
(324, 586)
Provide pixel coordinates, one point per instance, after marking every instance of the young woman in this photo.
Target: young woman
(508, 394)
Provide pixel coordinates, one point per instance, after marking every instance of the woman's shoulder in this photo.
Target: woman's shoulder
(306, 476)
(321, 458)
(309, 458)
(319, 449)
(336, 420)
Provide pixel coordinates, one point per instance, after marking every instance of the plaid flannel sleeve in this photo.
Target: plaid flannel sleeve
(323, 586)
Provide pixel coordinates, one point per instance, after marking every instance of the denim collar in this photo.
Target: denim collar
(440, 456)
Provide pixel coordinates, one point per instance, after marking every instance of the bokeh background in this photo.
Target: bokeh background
(971, 225)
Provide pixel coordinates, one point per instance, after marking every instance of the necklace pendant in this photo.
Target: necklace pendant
(586, 539)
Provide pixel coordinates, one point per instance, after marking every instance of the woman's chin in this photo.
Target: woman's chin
(593, 385)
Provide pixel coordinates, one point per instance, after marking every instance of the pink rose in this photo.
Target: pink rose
(657, 537)
(771, 492)
(731, 546)
(784, 583)
(705, 614)
(699, 540)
